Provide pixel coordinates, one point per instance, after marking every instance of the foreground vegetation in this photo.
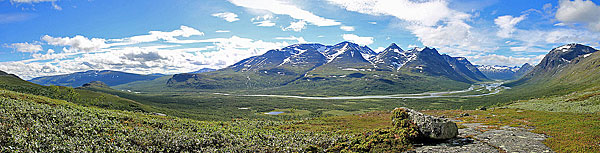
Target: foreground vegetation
(31, 123)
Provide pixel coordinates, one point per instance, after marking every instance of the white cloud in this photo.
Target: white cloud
(358, 39)
(25, 47)
(373, 22)
(264, 21)
(347, 28)
(77, 44)
(495, 59)
(426, 12)
(284, 8)
(38, 1)
(507, 25)
(296, 26)
(299, 39)
(227, 16)
(379, 49)
(222, 31)
(183, 31)
(579, 11)
(533, 40)
(31, 1)
(431, 21)
(167, 59)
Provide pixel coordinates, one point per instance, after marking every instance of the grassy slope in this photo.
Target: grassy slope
(582, 75)
(78, 96)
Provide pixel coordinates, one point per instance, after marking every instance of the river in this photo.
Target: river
(492, 88)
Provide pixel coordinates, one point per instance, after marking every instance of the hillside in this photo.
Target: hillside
(111, 78)
(564, 69)
(79, 96)
(315, 68)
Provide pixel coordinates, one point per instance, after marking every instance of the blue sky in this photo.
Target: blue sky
(49, 37)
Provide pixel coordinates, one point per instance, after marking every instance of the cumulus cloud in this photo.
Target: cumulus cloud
(264, 21)
(284, 8)
(170, 36)
(299, 39)
(167, 59)
(535, 40)
(77, 44)
(358, 39)
(507, 25)
(579, 11)
(25, 47)
(379, 49)
(296, 26)
(347, 28)
(495, 59)
(222, 31)
(227, 16)
(428, 12)
(433, 22)
(38, 1)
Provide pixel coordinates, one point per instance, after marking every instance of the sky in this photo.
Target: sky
(51, 37)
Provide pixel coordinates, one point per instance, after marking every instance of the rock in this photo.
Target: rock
(482, 108)
(432, 127)
(465, 114)
(159, 114)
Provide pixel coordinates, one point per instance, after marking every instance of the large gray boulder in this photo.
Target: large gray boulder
(433, 127)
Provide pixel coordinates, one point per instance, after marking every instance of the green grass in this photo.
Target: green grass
(577, 102)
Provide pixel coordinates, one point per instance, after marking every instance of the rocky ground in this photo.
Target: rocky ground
(478, 138)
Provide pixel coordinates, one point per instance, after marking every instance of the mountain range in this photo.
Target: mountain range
(498, 72)
(111, 78)
(342, 67)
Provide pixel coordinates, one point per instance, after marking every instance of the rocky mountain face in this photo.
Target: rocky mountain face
(77, 79)
(465, 68)
(572, 63)
(317, 65)
(561, 56)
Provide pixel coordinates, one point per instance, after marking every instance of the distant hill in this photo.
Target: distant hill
(564, 69)
(2, 73)
(345, 67)
(111, 78)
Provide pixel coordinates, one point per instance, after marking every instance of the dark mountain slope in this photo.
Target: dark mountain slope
(112, 78)
(464, 68)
